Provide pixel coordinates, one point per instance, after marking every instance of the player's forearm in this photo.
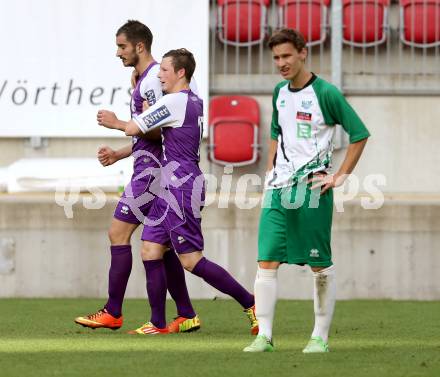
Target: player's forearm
(132, 129)
(354, 152)
(273, 146)
(123, 152)
(119, 125)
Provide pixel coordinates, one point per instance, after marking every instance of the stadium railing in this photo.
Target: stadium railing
(382, 46)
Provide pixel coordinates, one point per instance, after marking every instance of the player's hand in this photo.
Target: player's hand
(326, 181)
(106, 118)
(145, 106)
(107, 156)
(134, 78)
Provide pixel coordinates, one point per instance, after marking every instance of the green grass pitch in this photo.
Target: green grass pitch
(368, 338)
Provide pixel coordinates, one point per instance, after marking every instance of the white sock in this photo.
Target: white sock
(324, 297)
(265, 290)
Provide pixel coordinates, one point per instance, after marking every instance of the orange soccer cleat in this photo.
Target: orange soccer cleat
(182, 324)
(101, 318)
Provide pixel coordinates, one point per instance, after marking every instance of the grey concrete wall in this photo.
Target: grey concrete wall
(391, 252)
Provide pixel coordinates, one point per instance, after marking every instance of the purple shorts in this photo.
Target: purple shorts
(174, 220)
(135, 202)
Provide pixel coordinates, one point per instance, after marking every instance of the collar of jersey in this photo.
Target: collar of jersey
(151, 65)
(308, 83)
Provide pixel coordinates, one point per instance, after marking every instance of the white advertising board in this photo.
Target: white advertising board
(59, 64)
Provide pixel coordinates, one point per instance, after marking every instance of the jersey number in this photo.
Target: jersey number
(200, 122)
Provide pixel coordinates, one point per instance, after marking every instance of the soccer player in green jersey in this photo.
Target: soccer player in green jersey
(295, 223)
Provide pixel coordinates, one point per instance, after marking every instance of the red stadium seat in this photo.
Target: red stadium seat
(242, 22)
(420, 23)
(233, 130)
(310, 17)
(365, 22)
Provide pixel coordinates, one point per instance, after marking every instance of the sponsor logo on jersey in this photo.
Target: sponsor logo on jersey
(304, 130)
(150, 96)
(156, 116)
(303, 116)
(125, 210)
(306, 104)
(314, 253)
(180, 239)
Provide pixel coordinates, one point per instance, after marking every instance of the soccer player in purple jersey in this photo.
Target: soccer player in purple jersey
(176, 210)
(134, 41)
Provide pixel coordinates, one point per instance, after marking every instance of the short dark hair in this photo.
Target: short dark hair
(182, 58)
(291, 36)
(136, 32)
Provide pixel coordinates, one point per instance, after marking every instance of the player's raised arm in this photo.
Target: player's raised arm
(164, 113)
(108, 119)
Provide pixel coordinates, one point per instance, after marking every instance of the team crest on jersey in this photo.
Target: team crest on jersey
(306, 104)
(150, 96)
(156, 116)
(283, 103)
(314, 253)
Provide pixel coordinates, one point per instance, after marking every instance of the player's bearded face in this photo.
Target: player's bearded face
(288, 60)
(126, 51)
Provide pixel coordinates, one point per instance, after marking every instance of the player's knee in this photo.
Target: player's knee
(268, 265)
(145, 252)
(117, 237)
(190, 260)
(319, 268)
(151, 252)
(112, 234)
(187, 265)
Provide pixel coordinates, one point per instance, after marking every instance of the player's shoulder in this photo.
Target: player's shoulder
(150, 87)
(151, 75)
(326, 88)
(173, 97)
(154, 70)
(280, 85)
(194, 97)
(174, 101)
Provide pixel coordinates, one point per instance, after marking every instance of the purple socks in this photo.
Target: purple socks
(157, 291)
(120, 269)
(176, 284)
(220, 279)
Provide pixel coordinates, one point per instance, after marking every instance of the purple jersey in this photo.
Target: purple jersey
(148, 89)
(181, 117)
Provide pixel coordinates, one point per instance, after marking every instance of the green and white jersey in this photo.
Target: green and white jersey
(303, 123)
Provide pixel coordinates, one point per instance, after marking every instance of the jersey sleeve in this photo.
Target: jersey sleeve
(150, 88)
(193, 87)
(168, 111)
(338, 111)
(275, 127)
